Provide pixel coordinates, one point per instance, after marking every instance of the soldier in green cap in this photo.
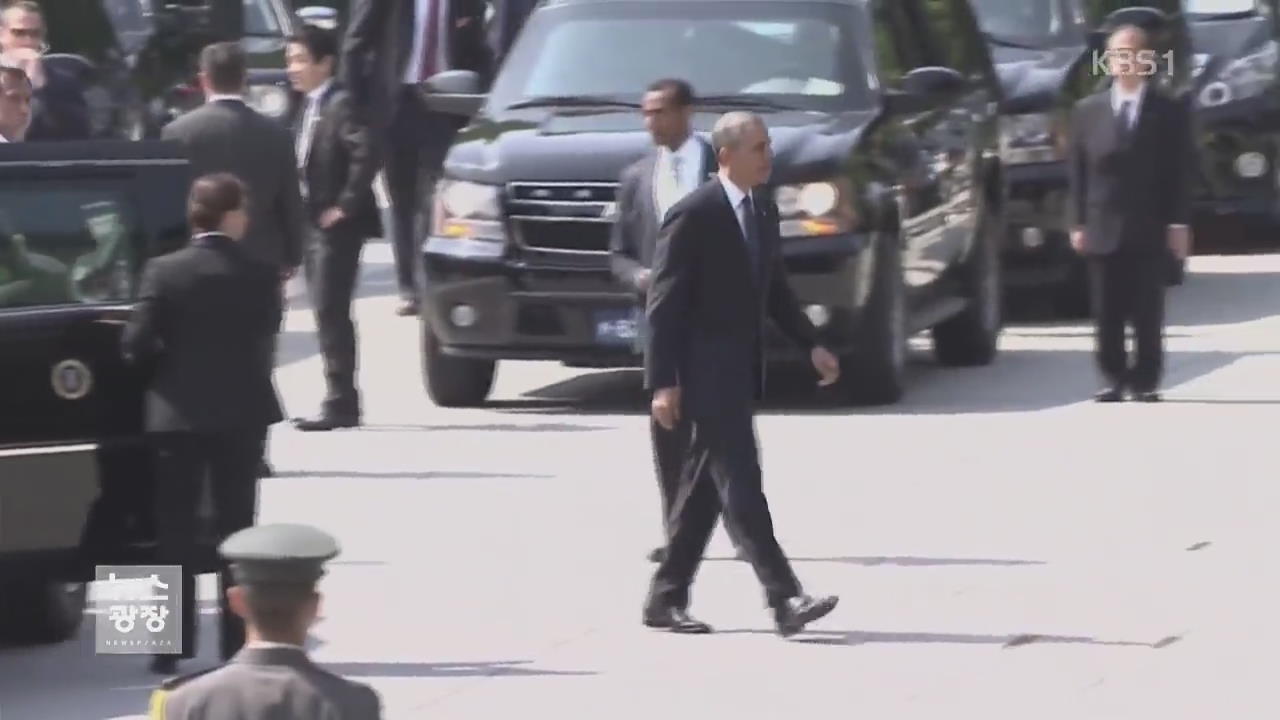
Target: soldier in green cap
(276, 569)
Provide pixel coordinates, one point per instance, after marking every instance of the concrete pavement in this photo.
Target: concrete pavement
(1003, 548)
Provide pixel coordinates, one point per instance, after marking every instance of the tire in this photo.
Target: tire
(973, 336)
(453, 381)
(876, 369)
(40, 612)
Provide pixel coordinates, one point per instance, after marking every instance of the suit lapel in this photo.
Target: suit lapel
(647, 190)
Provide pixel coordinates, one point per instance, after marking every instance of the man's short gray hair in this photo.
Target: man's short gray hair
(731, 127)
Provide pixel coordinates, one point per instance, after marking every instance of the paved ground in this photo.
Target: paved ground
(1003, 549)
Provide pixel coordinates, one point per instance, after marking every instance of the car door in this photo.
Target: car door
(75, 232)
(967, 121)
(911, 140)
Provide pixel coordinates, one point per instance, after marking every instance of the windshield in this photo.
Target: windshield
(797, 54)
(1219, 7)
(260, 19)
(1039, 22)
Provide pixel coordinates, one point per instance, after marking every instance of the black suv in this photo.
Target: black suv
(886, 173)
(77, 222)
(138, 57)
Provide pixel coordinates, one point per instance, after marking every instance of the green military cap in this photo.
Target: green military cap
(279, 554)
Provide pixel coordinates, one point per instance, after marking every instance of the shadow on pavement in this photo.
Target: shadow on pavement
(489, 427)
(406, 475)
(859, 637)
(500, 668)
(900, 561)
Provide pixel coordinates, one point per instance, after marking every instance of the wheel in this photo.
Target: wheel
(875, 371)
(973, 336)
(41, 611)
(453, 381)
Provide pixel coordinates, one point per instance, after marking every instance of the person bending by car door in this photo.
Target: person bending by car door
(336, 167)
(1130, 168)
(717, 271)
(678, 162)
(203, 313)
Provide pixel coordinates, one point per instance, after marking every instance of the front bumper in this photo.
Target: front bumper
(1037, 250)
(516, 309)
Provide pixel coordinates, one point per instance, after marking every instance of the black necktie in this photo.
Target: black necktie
(1123, 118)
(751, 234)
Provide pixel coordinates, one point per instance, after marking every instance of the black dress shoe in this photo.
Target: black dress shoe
(1109, 395)
(321, 423)
(164, 664)
(677, 620)
(801, 610)
(658, 554)
(264, 470)
(1147, 396)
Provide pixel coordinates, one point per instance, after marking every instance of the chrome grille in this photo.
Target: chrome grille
(571, 218)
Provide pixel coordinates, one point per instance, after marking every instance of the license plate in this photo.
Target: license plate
(617, 327)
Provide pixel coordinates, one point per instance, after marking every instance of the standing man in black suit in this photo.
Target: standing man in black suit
(59, 109)
(336, 166)
(717, 275)
(202, 314)
(226, 135)
(1131, 165)
(679, 162)
(391, 48)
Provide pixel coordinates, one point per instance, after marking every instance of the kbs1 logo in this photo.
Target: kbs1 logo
(1145, 63)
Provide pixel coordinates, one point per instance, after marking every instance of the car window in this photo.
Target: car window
(1219, 7)
(260, 18)
(799, 50)
(62, 245)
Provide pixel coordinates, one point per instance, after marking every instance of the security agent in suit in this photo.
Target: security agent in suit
(226, 135)
(276, 569)
(717, 274)
(1130, 175)
(59, 109)
(390, 48)
(203, 312)
(678, 163)
(337, 162)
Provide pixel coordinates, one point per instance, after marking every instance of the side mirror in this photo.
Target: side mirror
(319, 15)
(932, 81)
(456, 92)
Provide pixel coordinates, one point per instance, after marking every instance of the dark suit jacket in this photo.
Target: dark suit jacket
(58, 109)
(1126, 194)
(203, 316)
(265, 683)
(341, 165)
(706, 314)
(229, 136)
(379, 38)
(635, 232)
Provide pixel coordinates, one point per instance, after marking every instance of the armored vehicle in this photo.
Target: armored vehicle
(886, 173)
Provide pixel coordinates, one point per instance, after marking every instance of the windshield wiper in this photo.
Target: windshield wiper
(572, 101)
(1010, 42)
(746, 101)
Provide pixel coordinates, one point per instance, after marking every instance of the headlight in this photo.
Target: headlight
(1027, 138)
(815, 209)
(467, 211)
(270, 100)
(1244, 77)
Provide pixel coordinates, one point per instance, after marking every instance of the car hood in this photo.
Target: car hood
(1217, 43)
(1030, 80)
(594, 145)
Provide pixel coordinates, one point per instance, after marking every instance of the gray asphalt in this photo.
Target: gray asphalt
(1003, 547)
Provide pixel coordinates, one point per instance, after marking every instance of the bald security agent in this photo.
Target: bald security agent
(276, 568)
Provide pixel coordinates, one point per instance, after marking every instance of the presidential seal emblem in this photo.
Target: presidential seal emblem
(71, 379)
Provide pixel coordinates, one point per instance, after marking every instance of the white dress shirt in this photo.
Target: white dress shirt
(215, 97)
(1133, 97)
(413, 70)
(310, 117)
(676, 174)
(3, 139)
(736, 197)
(267, 645)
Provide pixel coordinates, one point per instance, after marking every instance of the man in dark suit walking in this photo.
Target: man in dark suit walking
(202, 314)
(391, 47)
(679, 162)
(717, 275)
(226, 135)
(59, 109)
(337, 163)
(1130, 176)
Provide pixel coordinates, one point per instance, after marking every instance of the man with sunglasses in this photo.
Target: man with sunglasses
(58, 107)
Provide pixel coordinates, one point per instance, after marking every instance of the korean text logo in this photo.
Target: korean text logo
(137, 609)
